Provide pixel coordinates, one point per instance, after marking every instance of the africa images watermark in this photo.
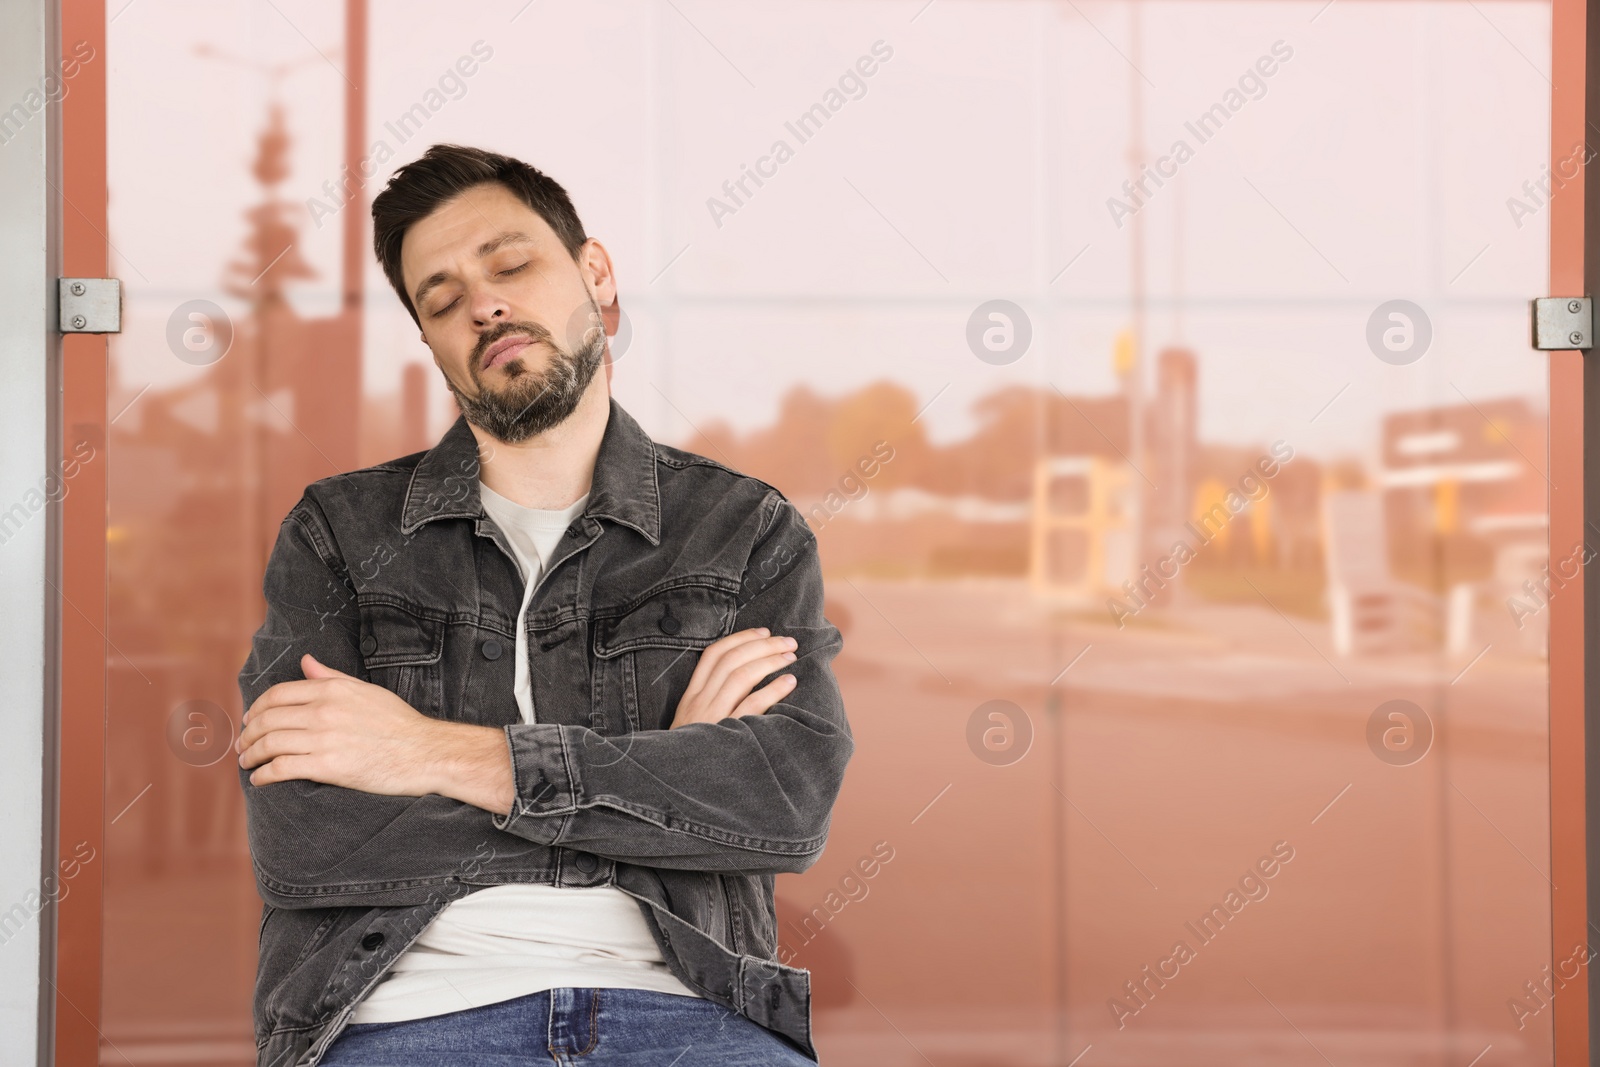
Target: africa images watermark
(1252, 85)
(52, 87)
(853, 888)
(53, 888)
(1252, 888)
(1556, 576)
(850, 487)
(1538, 190)
(804, 127)
(451, 85)
(52, 487)
(1555, 979)
(1250, 489)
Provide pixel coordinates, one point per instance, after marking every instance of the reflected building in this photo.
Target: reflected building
(202, 475)
(1171, 439)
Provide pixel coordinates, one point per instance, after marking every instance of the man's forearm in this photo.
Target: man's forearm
(352, 791)
(315, 844)
(751, 793)
(472, 764)
(368, 795)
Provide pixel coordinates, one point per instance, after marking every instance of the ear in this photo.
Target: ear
(600, 277)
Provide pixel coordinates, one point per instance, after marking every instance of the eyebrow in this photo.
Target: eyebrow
(489, 247)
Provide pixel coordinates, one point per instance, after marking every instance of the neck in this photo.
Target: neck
(552, 469)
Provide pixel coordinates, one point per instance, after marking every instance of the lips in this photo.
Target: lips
(506, 349)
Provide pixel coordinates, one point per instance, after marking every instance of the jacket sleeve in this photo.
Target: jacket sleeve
(751, 794)
(315, 845)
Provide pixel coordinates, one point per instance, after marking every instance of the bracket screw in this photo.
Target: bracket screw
(79, 322)
(77, 289)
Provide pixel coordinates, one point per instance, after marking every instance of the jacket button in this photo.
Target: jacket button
(669, 624)
(369, 645)
(491, 649)
(586, 863)
(371, 941)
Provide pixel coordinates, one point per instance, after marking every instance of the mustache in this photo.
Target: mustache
(505, 329)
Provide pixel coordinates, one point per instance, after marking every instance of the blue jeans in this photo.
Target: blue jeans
(582, 1027)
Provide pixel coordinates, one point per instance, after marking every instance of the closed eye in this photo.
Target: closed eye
(508, 271)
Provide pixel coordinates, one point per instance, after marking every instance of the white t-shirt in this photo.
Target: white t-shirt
(511, 940)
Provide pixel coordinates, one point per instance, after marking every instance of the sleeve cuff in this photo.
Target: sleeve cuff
(546, 791)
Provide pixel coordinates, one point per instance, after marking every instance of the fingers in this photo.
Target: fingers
(738, 637)
(712, 654)
(276, 745)
(282, 769)
(762, 699)
(738, 683)
(302, 691)
(267, 721)
(314, 668)
(739, 667)
(727, 672)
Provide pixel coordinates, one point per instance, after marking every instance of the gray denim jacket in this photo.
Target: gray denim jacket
(395, 574)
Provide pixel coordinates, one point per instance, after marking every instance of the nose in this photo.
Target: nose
(488, 307)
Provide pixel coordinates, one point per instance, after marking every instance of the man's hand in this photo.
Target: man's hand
(728, 669)
(339, 730)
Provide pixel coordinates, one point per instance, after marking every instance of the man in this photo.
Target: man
(566, 706)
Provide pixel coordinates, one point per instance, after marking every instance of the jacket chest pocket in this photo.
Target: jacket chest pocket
(646, 653)
(404, 653)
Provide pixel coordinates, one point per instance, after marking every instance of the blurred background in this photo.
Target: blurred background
(1155, 378)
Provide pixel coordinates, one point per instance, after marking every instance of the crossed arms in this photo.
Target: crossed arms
(353, 797)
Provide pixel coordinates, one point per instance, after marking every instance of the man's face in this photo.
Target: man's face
(512, 320)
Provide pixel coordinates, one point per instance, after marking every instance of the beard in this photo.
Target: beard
(531, 402)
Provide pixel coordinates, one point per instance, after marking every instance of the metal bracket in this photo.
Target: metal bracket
(90, 305)
(1562, 323)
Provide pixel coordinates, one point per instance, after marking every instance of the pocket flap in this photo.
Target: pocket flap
(690, 616)
(391, 636)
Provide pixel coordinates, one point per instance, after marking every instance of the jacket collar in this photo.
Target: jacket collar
(624, 488)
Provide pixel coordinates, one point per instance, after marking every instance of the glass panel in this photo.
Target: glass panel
(1153, 375)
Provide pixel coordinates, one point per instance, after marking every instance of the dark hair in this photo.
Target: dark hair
(445, 170)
